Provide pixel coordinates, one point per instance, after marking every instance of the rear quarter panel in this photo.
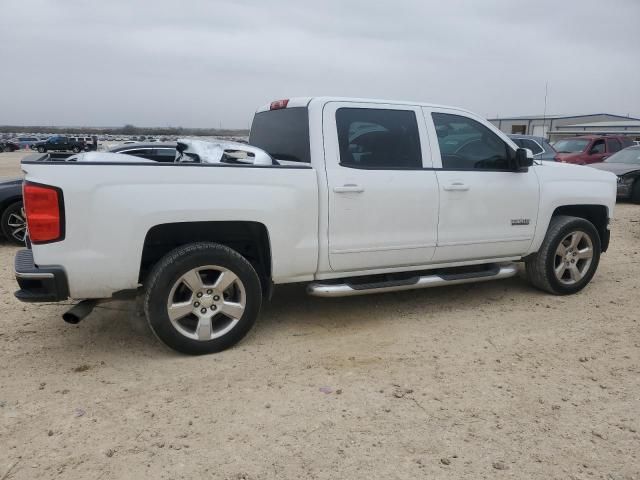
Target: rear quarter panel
(110, 208)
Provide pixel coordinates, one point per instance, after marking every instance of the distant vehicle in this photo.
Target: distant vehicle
(12, 222)
(59, 143)
(541, 148)
(588, 149)
(8, 146)
(626, 165)
(159, 152)
(25, 142)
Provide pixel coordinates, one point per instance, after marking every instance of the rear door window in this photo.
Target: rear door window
(378, 138)
(613, 145)
(164, 155)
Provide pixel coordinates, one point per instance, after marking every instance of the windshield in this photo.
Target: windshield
(576, 145)
(283, 133)
(628, 155)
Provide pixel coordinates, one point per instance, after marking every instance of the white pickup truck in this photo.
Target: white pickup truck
(351, 196)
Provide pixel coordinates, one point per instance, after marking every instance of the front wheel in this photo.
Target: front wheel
(202, 298)
(76, 149)
(42, 149)
(568, 257)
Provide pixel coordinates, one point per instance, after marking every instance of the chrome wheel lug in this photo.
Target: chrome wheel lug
(197, 304)
(209, 292)
(199, 294)
(213, 307)
(216, 298)
(203, 310)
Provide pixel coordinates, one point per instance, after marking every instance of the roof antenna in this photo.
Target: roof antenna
(544, 112)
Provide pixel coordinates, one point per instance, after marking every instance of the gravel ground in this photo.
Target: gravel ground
(489, 380)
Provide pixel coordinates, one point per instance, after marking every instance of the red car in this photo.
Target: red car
(590, 148)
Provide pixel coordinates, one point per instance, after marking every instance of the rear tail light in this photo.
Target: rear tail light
(278, 104)
(44, 209)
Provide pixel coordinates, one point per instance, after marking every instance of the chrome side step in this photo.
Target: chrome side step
(497, 272)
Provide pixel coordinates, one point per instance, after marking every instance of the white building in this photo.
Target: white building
(558, 126)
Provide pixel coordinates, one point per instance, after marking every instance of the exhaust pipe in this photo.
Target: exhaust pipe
(79, 311)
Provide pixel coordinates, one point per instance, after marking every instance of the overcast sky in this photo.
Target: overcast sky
(203, 63)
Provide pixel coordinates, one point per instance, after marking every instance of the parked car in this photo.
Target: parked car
(25, 142)
(160, 152)
(350, 196)
(59, 143)
(588, 149)
(625, 164)
(541, 148)
(8, 146)
(12, 223)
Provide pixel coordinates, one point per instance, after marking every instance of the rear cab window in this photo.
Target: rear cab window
(283, 134)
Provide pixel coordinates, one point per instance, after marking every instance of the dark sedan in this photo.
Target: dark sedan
(12, 221)
(626, 165)
(8, 146)
(160, 152)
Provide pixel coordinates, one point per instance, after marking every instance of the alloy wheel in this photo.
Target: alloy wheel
(206, 302)
(573, 257)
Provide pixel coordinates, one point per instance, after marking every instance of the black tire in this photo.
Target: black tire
(4, 148)
(42, 149)
(9, 216)
(635, 192)
(76, 149)
(167, 273)
(540, 267)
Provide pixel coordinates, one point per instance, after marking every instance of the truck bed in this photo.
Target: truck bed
(109, 208)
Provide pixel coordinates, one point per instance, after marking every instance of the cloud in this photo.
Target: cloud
(204, 63)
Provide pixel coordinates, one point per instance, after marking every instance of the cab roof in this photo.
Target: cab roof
(307, 101)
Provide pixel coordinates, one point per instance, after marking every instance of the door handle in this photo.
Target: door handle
(456, 186)
(349, 188)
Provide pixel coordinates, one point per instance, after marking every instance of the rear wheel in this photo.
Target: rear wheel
(13, 223)
(42, 149)
(202, 298)
(568, 257)
(76, 149)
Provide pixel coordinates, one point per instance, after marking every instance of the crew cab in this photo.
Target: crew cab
(588, 149)
(349, 196)
(60, 143)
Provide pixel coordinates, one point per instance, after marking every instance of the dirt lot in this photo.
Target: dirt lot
(493, 380)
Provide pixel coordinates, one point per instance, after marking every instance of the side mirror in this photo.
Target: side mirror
(523, 160)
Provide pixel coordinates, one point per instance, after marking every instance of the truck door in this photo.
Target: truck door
(382, 193)
(487, 210)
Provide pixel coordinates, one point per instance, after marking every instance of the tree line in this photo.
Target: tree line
(125, 130)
